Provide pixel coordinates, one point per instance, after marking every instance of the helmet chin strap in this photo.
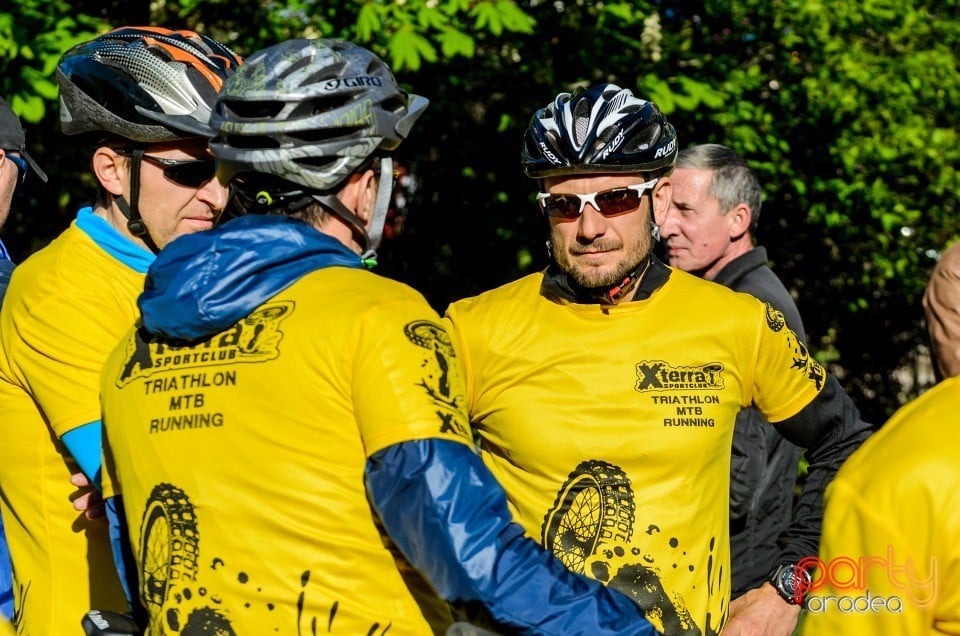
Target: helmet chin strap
(132, 210)
(369, 240)
(380, 208)
(615, 294)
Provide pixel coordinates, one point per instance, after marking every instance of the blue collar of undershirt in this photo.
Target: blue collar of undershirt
(113, 242)
(4, 254)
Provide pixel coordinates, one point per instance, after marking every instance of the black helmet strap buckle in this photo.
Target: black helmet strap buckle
(616, 293)
(132, 210)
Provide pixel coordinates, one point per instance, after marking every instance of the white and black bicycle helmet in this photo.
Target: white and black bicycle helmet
(601, 129)
(309, 113)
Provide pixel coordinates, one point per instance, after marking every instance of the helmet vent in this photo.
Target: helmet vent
(321, 135)
(329, 104)
(375, 67)
(605, 136)
(581, 124)
(252, 110)
(317, 162)
(581, 127)
(248, 141)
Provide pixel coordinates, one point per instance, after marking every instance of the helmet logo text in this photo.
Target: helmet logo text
(666, 150)
(552, 158)
(613, 145)
(352, 82)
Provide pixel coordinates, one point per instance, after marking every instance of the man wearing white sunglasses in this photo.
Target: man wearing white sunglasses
(604, 389)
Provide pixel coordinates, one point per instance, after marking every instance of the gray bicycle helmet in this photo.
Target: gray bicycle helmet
(310, 113)
(146, 84)
(601, 129)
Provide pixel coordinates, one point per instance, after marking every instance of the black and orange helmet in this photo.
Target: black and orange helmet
(147, 84)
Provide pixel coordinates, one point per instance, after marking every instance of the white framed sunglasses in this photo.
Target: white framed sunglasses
(610, 202)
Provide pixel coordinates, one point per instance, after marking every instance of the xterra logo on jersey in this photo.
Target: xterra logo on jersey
(657, 375)
(255, 338)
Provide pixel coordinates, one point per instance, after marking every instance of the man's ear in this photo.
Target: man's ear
(111, 169)
(739, 220)
(366, 195)
(662, 193)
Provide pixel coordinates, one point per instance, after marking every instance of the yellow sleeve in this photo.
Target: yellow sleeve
(409, 378)
(786, 378)
(60, 349)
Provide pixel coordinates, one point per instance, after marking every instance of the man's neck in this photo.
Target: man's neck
(118, 221)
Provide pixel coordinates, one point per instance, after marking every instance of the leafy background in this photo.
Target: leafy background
(847, 110)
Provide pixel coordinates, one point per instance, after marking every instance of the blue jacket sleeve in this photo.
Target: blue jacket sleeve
(123, 557)
(84, 443)
(449, 517)
(6, 577)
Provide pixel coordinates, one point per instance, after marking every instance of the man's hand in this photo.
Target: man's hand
(87, 499)
(761, 612)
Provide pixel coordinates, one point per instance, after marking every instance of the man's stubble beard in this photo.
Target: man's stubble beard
(591, 277)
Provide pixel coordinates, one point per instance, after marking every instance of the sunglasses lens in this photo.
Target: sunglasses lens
(609, 202)
(614, 202)
(22, 167)
(561, 206)
(191, 173)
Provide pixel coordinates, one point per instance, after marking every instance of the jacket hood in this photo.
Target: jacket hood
(202, 283)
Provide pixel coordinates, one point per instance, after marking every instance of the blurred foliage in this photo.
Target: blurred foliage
(847, 110)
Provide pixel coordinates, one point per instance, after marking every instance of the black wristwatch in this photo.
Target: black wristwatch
(791, 582)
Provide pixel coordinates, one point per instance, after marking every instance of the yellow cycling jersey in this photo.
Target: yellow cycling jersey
(889, 556)
(66, 308)
(610, 427)
(241, 459)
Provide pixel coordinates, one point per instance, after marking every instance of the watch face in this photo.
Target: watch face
(788, 581)
(793, 582)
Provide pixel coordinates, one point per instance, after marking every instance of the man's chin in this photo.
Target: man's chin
(594, 279)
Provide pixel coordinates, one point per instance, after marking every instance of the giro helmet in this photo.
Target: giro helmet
(602, 129)
(311, 112)
(146, 84)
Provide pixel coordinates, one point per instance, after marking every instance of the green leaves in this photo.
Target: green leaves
(413, 31)
(499, 16)
(408, 48)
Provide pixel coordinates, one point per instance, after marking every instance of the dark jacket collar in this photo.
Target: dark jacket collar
(741, 266)
(557, 284)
